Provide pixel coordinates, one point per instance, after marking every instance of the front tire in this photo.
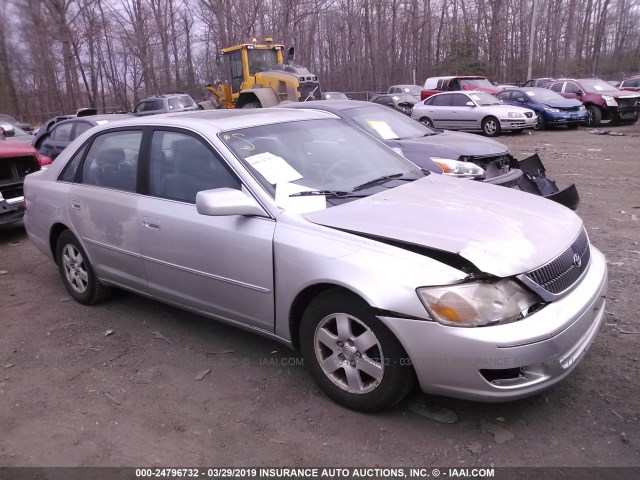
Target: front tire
(76, 271)
(491, 127)
(353, 357)
(540, 123)
(595, 116)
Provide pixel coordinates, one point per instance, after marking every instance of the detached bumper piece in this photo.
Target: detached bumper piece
(534, 180)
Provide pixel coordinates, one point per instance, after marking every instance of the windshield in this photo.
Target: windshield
(321, 155)
(387, 124)
(484, 99)
(597, 86)
(404, 98)
(412, 90)
(542, 94)
(262, 60)
(475, 82)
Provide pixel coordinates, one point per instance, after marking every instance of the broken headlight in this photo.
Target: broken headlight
(478, 303)
(456, 168)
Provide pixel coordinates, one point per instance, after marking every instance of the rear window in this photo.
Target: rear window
(183, 101)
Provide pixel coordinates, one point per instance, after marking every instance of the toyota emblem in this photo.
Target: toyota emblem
(577, 261)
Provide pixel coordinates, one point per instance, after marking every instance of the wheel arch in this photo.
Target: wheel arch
(303, 299)
(54, 234)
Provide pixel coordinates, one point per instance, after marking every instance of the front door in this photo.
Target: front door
(218, 265)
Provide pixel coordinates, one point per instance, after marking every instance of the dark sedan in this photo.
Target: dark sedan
(402, 102)
(552, 109)
(63, 133)
(453, 153)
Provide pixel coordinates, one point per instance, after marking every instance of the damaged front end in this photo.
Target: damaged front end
(12, 173)
(528, 175)
(534, 180)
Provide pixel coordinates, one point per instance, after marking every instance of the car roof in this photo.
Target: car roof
(221, 120)
(107, 117)
(331, 105)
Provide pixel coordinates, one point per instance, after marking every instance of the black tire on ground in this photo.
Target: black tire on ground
(353, 357)
(427, 121)
(540, 123)
(491, 127)
(595, 116)
(76, 271)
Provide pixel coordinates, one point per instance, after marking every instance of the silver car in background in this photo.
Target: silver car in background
(302, 228)
(478, 111)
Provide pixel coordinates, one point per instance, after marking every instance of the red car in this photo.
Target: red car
(602, 100)
(17, 160)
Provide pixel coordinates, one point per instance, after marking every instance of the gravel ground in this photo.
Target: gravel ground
(74, 394)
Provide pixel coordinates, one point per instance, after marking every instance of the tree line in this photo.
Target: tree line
(60, 55)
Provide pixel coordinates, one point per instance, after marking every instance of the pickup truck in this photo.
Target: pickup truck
(445, 84)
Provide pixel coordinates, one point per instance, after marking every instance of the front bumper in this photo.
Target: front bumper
(507, 362)
(518, 123)
(565, 118)
(11, 209)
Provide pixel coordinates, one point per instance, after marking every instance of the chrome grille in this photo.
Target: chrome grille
(563, 272)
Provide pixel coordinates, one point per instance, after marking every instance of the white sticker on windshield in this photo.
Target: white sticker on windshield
(475, 97)
(531, 94)
(100, 122)
(298, 204)
(598, 87)
(274, 168)
(383, 129)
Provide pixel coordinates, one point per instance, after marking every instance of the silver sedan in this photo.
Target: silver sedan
(302, 228)
(473, 111)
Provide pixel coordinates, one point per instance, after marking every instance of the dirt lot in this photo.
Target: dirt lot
(71, 395)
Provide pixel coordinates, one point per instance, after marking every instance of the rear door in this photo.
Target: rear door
(463, 116)
(103, 206)
(438, 110)
(221, 265)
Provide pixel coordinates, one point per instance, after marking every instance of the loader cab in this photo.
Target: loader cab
(242, 62)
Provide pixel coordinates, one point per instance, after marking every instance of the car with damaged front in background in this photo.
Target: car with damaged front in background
(302, 228)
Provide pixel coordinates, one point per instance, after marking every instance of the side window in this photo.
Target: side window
(70, 169)
(112, 160)
(383, 100)
(62, 132)
(141, 107)
(459, 100)
(235, 66)
(557, 87)
(572, 87)
(441, 101)
(518, 96)
(181, 166)
(82, 127)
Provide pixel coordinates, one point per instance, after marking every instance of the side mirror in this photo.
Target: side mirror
(522, 100)
(7, 130)
(579, 92)
(227, 201)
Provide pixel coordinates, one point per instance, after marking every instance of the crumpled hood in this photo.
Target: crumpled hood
(561, 103)
(450, 144)
(502, 231)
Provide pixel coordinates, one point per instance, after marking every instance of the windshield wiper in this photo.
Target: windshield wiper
(383, 179)
(328, 193)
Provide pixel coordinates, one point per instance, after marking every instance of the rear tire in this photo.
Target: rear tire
(76, 271)
(353, 357)
(491, 127)
(427, 121)
(595, 116)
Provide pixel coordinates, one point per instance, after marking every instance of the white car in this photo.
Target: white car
(472, 111)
